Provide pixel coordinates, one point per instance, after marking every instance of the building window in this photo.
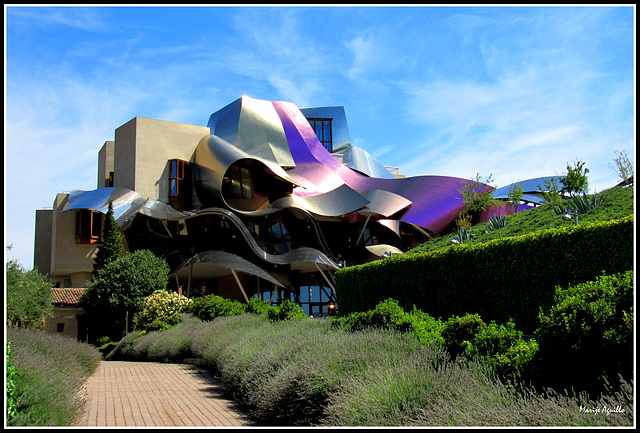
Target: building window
(322, 127)
(88, 226)
(110, 182)
(237, 183)
(179, 184)
(60, 327)
(315, 299)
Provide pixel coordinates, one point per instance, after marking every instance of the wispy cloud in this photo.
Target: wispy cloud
(81, 18)
(534, 110)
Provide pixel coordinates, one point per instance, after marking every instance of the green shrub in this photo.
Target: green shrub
(211, 306)
(493, 339)
(105, 345)
(12, 391)
(387, 314)
(508, 278)
(258, 306)
(427, 329)
(517, 360)
(502, 346)
(159, 325)
(162, 309)
(587, 336)
(287, 310)
(459, 332)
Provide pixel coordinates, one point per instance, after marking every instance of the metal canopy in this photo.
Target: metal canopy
(214, 264)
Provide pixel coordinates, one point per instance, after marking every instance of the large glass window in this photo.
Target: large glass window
(322, 127)
(315, 299)
(88, 226)
(237, 182)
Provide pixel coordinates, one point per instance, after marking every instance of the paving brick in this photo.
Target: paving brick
(137, 394)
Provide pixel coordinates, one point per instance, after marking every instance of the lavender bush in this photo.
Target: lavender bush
(308, 372)
(51, 374)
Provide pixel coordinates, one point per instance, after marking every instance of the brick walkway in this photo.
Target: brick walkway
(147, 394)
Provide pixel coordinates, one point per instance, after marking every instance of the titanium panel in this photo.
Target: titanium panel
(338, 202)
(385, 203)
(213, 157)
(215, 264)
(253, 126)
(297, 257)
(381, 249)
(126, 202)
(361, 161)
(436, 200)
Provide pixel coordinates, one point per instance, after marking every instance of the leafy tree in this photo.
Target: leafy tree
(550, 192)
(576, 179)
(110, 249)
(515, 195)
(477, 196)
(117, 293)
(29, 296)
(624, 166)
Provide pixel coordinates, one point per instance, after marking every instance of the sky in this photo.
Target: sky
(511, 93)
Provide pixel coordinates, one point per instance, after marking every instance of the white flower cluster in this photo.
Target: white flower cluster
(163, 303)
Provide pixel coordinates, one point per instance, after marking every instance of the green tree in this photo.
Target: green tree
(550, 191)
(515, 195)
(117, 293)
(110, 249)
(29, 296)
(576, 179)
(477, 196)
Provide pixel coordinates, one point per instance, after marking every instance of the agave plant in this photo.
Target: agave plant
(579, 204)
(584, 203)
(462, 234)
(497, 222)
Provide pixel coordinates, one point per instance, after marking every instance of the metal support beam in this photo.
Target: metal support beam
(246, 298)
(363, 228)
(273, 293)
(326, 279)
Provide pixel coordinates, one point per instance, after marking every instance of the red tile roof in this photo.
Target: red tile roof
(67, 296)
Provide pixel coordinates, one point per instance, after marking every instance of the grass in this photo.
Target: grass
(51, 374)
(309, 372)
(617, 203)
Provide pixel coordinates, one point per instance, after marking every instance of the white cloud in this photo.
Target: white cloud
(364, 55)
(81, 18)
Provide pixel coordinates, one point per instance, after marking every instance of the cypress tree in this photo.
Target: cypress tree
(111, 247)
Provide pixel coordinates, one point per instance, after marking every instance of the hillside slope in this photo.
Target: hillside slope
(617, 203)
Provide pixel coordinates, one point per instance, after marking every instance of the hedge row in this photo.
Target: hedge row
(508, 278)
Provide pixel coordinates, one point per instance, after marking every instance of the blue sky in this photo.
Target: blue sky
(513, 92)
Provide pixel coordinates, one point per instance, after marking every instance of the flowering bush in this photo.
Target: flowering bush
(162, 306)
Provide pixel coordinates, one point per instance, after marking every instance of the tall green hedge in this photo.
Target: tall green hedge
(509, 278)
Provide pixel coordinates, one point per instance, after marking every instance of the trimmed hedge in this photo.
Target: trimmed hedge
(508, 278)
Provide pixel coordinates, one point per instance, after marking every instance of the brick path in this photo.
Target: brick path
(147, 394)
